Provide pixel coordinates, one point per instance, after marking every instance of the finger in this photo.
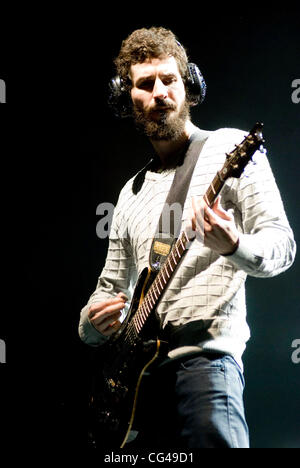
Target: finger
(216, 215)
(111, 329)
(106, 311)
(115, 325)
(110, 310)
(219, 210)
(217, 204)
(198, 217)
(122, 296)
(102, 324)
(100, 306)
(198, 203)
(209, 215)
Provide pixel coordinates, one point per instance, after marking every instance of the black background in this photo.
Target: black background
(63, 153)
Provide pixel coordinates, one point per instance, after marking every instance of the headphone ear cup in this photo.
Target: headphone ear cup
(118, 98)
(196, 85)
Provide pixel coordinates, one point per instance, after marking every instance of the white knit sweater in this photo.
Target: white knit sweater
(206, 287)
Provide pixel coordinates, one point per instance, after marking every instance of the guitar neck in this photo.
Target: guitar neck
(216, 186)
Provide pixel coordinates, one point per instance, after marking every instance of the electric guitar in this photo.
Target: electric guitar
(124, 359)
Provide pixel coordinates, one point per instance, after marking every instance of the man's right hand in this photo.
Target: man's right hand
(104, 315)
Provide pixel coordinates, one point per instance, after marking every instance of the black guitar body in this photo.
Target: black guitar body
(121, 364)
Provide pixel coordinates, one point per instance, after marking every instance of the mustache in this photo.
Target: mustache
(162, 104)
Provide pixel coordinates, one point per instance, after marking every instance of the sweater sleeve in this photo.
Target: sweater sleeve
(118, 274)
(267, 246)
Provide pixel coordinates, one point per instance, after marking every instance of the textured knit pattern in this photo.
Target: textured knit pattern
(206, 286)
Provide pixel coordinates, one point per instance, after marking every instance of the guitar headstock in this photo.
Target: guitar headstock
(238, 159)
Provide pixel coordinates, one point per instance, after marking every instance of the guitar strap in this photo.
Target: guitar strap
(169, 224)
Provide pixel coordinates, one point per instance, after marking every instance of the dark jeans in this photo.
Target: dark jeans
(195, 402)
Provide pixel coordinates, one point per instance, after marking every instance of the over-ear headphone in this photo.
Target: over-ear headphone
(119, 98)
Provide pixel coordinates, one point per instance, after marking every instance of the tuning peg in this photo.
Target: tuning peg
(262, 149)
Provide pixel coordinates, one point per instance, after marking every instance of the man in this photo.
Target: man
(199, 392)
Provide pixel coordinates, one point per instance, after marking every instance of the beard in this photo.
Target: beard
(167, 125)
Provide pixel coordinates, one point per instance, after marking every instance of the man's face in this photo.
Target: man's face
(159, 99)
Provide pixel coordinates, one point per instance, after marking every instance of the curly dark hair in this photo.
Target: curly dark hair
(144, 44)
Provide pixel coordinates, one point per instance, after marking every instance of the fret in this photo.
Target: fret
(169, 264)
(149, 300)
(207, 201)
(162, 273)
(150, 294)
(220, 177)
(173, 257)
(145, 308)
(140, 322)
(141, 315)
(149, 304)
(161, 283)
(146, 311)
(213, 189)
(182, 248)
(154, 293)
(218, 184)
(162, 278)
(143, 312)
(136, 324)
(185, 239)
(159, 287)
(138, 318)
